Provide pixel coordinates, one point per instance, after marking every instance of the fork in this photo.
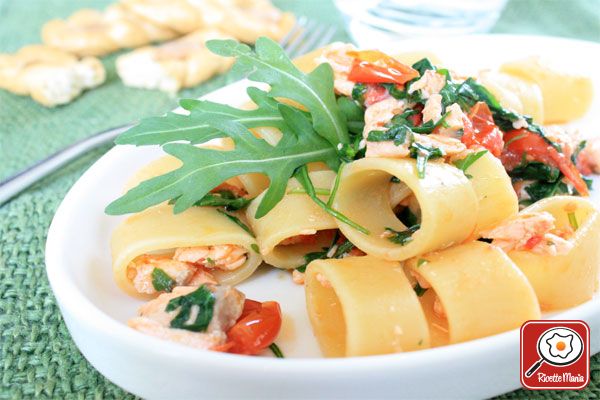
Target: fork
(305, 35)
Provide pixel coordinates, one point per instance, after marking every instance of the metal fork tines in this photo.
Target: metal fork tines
(305, 35)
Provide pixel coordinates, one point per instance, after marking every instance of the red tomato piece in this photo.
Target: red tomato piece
(374, 94)
(480, 129)
(522, 141)
(256, 329)
(372, 66)
(533, 241)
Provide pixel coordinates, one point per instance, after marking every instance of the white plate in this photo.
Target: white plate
(95, 310)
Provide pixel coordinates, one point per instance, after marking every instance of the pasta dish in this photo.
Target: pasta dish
(418, 207)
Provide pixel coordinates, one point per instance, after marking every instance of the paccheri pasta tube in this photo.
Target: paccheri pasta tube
(296, 215)
(362, 306)
(448, 206)
(159, 232)
(480, 291)
(565, 280)
(495, 195)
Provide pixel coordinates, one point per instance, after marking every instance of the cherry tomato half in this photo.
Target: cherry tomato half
(372, 66)
(522, 141)
(480, 129)
(256, 329)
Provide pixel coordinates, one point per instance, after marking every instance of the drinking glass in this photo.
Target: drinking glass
(373, 20)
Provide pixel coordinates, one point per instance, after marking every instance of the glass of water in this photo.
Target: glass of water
(373, 20)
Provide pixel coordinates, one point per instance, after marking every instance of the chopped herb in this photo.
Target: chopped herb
(535, 171)
(407, 217)
(203, 299)
(255, 248)
(518, 137)
(580, 146)
(161, 281)
(423, 65)
(421, 262)
(353, 150)
(358, 92)
(423, 154)
(237, 221)
(223, 198)
(469, 160)
(209, 262)
(400, 93)
(394, 179)
(540, 190)
(304, 179)
(419, 290)
(420, 342)
(397, 133)
(341, 249)
(402, 237)
(573, 220)
(276, 350)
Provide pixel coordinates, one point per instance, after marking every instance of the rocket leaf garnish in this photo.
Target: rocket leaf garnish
(203, 169)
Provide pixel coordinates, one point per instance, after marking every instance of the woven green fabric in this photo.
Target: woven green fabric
(37, 355)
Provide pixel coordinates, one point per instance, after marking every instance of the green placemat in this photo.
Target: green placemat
(37, 356)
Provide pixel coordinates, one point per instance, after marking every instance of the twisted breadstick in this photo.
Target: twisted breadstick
(50, 76)
(184, 62)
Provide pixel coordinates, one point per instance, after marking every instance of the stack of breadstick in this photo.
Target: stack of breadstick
(58, 71)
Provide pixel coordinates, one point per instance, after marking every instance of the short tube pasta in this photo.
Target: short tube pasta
(159, 230)
(362, 306)
(296, 214)
(481, 290)
(562, 281)
(448, 206)
(495, 195)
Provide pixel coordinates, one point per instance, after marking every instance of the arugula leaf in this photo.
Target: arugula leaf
(161, 281)
(203, 299)
(336, 185)
(237, 221)
(194, 128)
(423, 154)
(223, 198)
(469, 160)
(402, 237)
(420, 291)
(304, 179)
(204, 169)
(354, 114)
(269, 64)
(255, 248)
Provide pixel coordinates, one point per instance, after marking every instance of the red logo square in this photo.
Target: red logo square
(555, 354)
